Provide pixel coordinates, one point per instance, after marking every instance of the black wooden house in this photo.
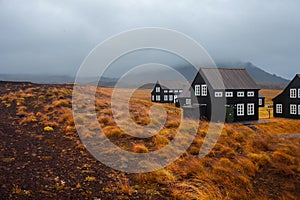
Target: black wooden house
(167, 91)
(287, 104)
(240, 92)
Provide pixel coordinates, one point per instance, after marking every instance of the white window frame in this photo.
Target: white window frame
(250, 94)
(299, 93)
(250, 109)
(170, 97)
(166, 97)
(298, 109)
(228, 94)
(204, 90)
(240, 94)
(240, 110)
(279, 108)
(197, 90)
(180, 91)
(293, 109)
(218, 94)
(165, 91)
(175, 91)
(153, 98)
(170, 90)
(293, 93)
(188, 101)
(157, 97)
(260, 102)
(157, 89)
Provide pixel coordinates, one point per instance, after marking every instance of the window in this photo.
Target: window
(240, 110)
(260, 102)
(180, 91)
(218, 94)
(229, 94)
(240, 94)
(157, 89)
(203, 90)
(293, 93)
(298, 109)
(188, 102)
(293, 109)
(176, 91)
(170, 90)
(157, 98)
(165, 91)
(153, 98)
(250, 94)
(197, 90)
(170, 97)
(165, 97)
(250, 108)
(278, 108)
(298, 93)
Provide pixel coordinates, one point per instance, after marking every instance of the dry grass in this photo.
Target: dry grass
(242, 162)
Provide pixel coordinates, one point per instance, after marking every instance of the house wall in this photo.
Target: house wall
(285, 100)
(234, 101)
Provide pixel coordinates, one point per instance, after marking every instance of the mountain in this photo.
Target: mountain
(261, 77)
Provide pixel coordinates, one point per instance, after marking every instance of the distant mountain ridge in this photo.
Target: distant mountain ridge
(261, 77)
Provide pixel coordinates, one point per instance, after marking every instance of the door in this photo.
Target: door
(229, 113)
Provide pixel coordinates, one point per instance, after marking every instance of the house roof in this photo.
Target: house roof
(227, 78)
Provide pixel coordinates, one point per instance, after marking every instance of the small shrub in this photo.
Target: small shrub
(140, 148)
(48, 129)
(90, 179)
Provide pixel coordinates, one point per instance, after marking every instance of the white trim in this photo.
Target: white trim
(298, 109)
(250, 109)
(170, 97)
(157, 89)
(157, 97)
(293, 109)
(240, 94)
(240, 109)
(165, 91)
(279, 108)
(293, 93)
(228, 94)
(260, 102)
(203, 90)
(197, 90)
(299, 93)
(165, 97)
(218, 94)
(250, 94)
(188, 101)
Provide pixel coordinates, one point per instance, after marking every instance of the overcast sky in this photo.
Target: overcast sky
(55, 36)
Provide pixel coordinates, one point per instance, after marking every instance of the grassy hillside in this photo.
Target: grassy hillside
(42, 156)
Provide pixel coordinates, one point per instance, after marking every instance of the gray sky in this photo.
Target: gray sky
(55, 36)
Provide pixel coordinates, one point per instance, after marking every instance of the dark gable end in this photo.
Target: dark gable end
(286, 106)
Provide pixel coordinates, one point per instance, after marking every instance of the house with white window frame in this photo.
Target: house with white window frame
(240, 90)
(287, 103)
(167, 91)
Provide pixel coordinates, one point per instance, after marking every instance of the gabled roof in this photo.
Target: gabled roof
(297, 76)
(231, 78)
(170, 84)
